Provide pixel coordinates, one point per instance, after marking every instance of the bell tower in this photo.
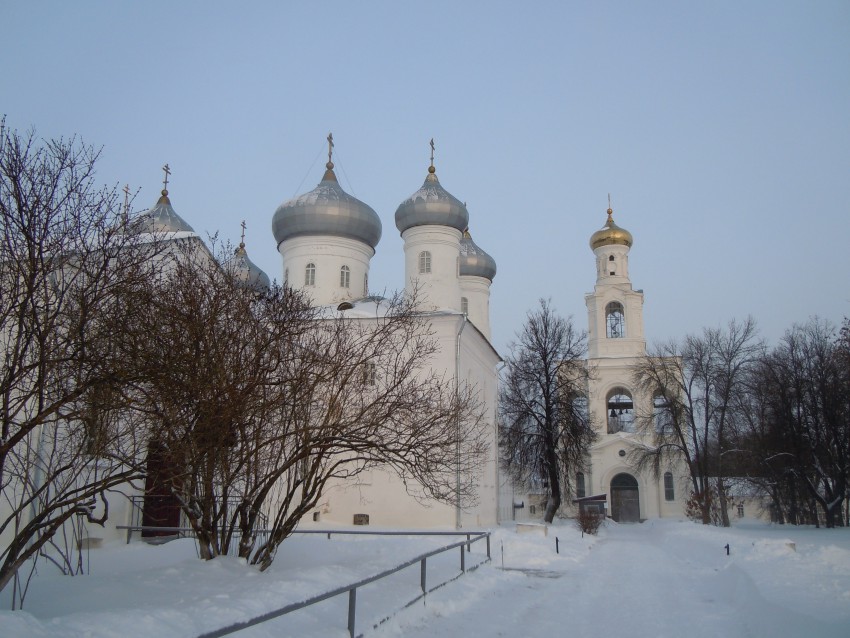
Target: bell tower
(614, 309)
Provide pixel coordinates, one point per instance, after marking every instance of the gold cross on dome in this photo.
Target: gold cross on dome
(432, 151)
(243, 232)
(167, 173)
(330, 146)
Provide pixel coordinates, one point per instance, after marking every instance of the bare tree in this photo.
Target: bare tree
(545, 430)
(800, 440)
(63, 256)
(258, 401)
(698, 384)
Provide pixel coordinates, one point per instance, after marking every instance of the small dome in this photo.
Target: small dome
(610, 234)
(474, 262)
(327, 210)
(247, 272)
(160, 219)
(431, 205)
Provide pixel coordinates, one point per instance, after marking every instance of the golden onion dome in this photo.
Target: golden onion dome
(610, 234)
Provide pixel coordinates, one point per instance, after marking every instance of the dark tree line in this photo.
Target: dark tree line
(776, 420)
(794, 435)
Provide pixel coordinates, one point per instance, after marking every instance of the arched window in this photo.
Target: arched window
(424, 262)
(580, 488)
(669, 494)
(662, 419)
(344, 277)
(464, 305)
(620, 411)
(310, 275)
(615, 320)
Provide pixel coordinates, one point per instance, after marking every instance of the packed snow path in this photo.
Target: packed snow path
(634, 581)
(660, 578)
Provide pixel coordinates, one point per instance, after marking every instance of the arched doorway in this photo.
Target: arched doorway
(625, 499)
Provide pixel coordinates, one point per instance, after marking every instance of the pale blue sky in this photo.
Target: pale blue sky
(721, 130)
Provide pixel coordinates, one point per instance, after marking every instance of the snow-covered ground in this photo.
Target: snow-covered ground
(660, 578)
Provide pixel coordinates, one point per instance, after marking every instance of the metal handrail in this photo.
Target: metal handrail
(471, 537)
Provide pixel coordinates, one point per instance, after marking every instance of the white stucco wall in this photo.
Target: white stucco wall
(382, 495)
(440, 288)
(477, 292)
(329, 254)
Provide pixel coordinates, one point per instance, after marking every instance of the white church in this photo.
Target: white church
(326, 239)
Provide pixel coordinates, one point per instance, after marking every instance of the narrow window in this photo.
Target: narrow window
(610, 257)
(615, 320)
(286, 277)
(366, 285)
(464, 305)
(580, 489)
(668, 487)
(310, 275)
(424, 262)
(344, 277)
(368, 374)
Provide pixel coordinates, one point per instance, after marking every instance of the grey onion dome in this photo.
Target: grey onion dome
(327, 210)
(431, 205)
(247, 273)
(474, 262)
(161, 219)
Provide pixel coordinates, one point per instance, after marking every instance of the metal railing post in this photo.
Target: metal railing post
(488, 545)
(462, 560)
(352, 610)
(468, 544)
(422, 576)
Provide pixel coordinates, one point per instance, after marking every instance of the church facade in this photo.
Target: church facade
(326, 239)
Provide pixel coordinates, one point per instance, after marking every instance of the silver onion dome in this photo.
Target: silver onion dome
(431, 205)
(247, 273)
(474, 262)
(327, 210)
(160, 219)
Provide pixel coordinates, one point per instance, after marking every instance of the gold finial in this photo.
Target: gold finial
(431, 168)
(167, 172)
(610, 210)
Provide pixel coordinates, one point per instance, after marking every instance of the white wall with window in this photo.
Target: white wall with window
(431, 255)
(476, 291)
(337, 262)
